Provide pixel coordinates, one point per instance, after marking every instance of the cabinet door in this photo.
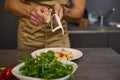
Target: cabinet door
(114, 41)
(79, 40)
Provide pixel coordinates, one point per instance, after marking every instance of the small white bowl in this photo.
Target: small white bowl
(16, 72)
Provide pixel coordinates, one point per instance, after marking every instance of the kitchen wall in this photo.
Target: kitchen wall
(103, 6)
(8, 22)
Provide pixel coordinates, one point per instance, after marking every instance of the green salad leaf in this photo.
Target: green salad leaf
(45, 66)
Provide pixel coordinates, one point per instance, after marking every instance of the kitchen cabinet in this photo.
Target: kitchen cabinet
(114, 41)
(89, 38)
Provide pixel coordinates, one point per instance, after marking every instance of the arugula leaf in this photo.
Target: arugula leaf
(45, 66)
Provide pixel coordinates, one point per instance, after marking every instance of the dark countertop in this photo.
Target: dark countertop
(95, 64)
(92, 29)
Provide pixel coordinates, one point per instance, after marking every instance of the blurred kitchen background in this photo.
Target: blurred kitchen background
(99, 27)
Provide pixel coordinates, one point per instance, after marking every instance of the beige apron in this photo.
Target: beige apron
(36, 37)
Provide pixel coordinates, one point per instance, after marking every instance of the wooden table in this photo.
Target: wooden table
(95, 64)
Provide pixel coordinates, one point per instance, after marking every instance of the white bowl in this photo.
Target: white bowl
(76, 53)
(16, 72)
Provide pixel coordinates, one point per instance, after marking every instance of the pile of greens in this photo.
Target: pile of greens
(45, 66)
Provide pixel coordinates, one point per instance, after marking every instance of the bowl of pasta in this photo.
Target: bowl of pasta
(60, 53)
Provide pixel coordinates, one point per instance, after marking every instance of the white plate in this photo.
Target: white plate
(76, 53)
(16, 72)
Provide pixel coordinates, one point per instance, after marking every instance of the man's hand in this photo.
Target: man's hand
(39, 15)
(58, 10)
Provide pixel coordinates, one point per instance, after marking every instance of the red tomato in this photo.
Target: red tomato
(1, 75)
(61, 54)
(8, 74)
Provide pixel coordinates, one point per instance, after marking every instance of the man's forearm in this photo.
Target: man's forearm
(18, 8)
(72, 15)
(75, 13)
